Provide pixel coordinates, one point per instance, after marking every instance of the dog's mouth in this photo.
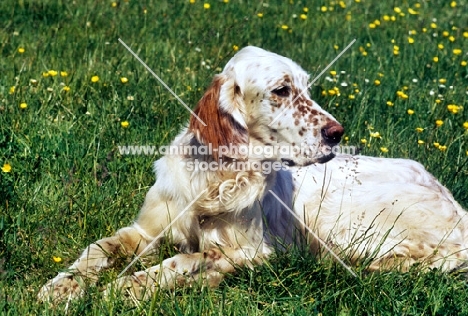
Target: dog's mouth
(321, 159)
(326, 158)
(288, 162)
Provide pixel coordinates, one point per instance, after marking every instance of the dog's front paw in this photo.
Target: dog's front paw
(64, 286)
(139, 286)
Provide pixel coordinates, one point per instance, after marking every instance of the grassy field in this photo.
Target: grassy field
(70, 94)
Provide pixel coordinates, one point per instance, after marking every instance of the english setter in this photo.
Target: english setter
(220, 215)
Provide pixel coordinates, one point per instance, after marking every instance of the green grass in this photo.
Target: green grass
(68, 185)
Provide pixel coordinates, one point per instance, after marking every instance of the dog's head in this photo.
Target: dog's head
(261, 99)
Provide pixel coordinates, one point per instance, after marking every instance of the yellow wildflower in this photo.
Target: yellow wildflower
(351, 97)
(372, 26)
(410, 40)
(6, 167)
(439, 123)
(206, 5)
(94, 79)
(333, 72)
(57, 259)
(260, 15)
(453, 108)
(442, 80)
(303, 16)
(440, 46)
(66, 88)
(284, 27)
(305, 9)
(463, 63)
(412, 11)
(384, 149)
(397, 9)
(124, 79)
(465, 34)
(465, 125)
(63, 73)
(419, 129)
(23, 105)
(124, 124)
(52, 73)
(363, 141)
(451, 38)
(436, 145)
(375, 135)
(377, 82)
(433, 25)
(453, 4)
(323, 9)
(402, 95)
(435, 59)
(21, 50)
(12, 89)
(389, 103)
(445, 33)
(442, 148)
(457, 51)
(410, 111)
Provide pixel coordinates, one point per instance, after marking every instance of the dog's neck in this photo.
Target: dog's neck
(227, 180)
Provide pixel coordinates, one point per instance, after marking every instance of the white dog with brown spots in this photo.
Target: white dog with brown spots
(391, 211)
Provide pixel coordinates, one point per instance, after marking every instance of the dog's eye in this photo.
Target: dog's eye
(282, 91)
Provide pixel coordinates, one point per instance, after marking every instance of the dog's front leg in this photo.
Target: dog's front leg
(102, 254)
(97, 256)
(204, 268)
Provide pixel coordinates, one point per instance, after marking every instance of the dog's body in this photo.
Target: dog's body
(390, 211)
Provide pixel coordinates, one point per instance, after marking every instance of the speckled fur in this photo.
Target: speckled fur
(390, 211)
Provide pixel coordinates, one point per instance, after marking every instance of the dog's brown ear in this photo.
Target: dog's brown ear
(220, 109)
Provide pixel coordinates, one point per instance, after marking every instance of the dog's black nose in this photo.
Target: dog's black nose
(332, 132)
